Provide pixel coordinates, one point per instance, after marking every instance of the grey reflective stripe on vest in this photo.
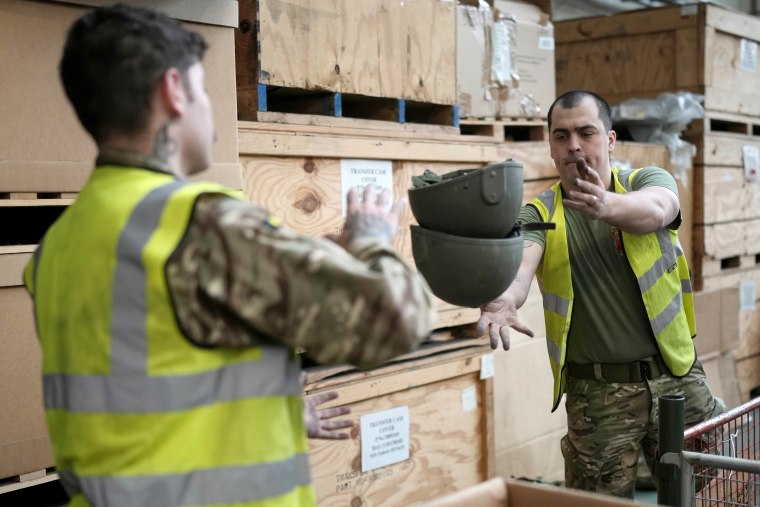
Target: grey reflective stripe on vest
(129, 388)
(556, 304)
(129, 344)
(141, 394)
(664, 265)
(555, 351)
(224, 485)
(547, 198)
(679, 249)
(686, 286)
(667, 315)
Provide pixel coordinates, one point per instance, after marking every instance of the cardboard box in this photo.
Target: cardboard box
(539, 459)
(708, 317)
(478, 96)
(748, 375)
(505, 60)
(24, 442)
(528, 445)
(47, 150)
(711, 364)
(717, 315)
(531, 89)
(749, 333)
(499, 492)
(524, 395)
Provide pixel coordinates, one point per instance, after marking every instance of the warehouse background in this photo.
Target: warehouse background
(300, 91)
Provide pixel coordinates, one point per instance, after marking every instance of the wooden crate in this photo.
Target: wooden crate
(450, 437)
(364, 51)
(726, 210)
(702, 48)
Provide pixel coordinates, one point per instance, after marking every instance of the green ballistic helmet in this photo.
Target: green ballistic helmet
(476, 203)
(466, 271)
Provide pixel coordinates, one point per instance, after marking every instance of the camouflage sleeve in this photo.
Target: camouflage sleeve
(239, 278)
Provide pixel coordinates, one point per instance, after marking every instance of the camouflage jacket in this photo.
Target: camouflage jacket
(239, 278)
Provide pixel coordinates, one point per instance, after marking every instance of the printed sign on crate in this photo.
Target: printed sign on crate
(360, 173)
(385, 438)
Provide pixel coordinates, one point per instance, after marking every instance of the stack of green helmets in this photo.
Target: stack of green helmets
(468, 245)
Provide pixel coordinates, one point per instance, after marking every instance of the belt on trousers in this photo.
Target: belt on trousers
(636, 371)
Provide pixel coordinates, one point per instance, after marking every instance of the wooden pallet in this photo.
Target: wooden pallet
(731, 277)
(504, 130)
(326, 103)
(711, 266)
(26, 217)
(24, 197)
(34, 478)
(716, 122)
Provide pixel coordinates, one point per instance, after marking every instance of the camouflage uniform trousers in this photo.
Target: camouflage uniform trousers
(608, 423)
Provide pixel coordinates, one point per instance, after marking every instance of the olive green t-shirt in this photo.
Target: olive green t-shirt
(609, 323)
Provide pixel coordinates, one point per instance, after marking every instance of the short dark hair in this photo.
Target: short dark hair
(112, 61)
(573, 98)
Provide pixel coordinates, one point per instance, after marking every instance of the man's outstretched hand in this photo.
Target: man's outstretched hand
(496, 318)
(320, 423)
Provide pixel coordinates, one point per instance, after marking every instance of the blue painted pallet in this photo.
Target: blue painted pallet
(328, 103)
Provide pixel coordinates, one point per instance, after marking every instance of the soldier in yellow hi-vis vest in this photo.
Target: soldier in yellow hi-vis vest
(169, 311)
(617, 300)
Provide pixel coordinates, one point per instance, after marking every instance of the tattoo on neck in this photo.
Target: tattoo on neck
(165, 146)
(359, 225)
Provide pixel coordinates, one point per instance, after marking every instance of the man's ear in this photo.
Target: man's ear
(171, 93)
(611, 138)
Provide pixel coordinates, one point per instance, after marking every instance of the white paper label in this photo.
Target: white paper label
(360, 173)
(486, 366)
(751, 156)
(546, 43)
(385, 438)
(689, 10)
(469, 399)
(747, 295)
(748, 56)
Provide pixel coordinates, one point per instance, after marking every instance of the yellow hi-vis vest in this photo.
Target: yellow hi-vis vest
(137, 414)
(659, 265)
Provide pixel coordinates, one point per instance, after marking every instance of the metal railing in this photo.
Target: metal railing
(716, 464)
